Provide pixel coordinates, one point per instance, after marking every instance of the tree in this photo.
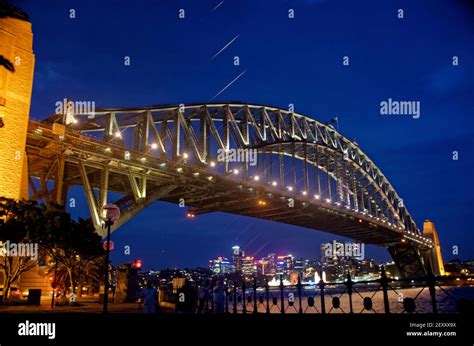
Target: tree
(71, 244)
(20, 222)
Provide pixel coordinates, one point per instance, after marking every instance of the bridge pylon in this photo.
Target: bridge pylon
(16, 81)
(433, 257)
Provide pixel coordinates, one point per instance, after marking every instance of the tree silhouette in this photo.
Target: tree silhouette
(7, 64)
(9, 10)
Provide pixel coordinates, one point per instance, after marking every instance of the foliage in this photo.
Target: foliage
(9, 10)
(20, 222)
(73, 247)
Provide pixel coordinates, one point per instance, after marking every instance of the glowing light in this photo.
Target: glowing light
(236, 171)
(212, 164)
(274, 183)
(316, 196)
(290, 188)
(304, 193)
(256, 178)
(328, 200)
(118, 134)
(143, 159)
(191, 215)
(262, 203)
(185, 155)
(154, 146)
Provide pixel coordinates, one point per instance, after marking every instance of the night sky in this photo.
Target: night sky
(287, 61)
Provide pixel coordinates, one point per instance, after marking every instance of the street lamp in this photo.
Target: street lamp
(110, 213)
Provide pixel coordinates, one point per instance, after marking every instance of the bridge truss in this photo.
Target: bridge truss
(305, 174)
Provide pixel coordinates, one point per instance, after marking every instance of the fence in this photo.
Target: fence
(428, 294)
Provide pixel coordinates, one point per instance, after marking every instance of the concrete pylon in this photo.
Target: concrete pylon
(433, 257)
(16, 81)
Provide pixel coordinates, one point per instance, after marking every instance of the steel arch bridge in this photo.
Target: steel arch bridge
(245, 159)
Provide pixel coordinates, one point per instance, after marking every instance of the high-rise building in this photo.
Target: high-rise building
(271, 266)
(249, 268)
(237, 255)
(221, 265)
(284, 265)
(298, 265)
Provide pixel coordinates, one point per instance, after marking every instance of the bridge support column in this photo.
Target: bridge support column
(433, 257)
(16, 81)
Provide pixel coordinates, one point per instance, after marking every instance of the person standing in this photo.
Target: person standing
(203, 297)
(219, 297)
(150, 298)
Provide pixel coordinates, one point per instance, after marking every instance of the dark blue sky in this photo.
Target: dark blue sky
(296, 61)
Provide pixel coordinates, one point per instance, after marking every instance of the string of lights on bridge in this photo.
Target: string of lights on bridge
(256, 179)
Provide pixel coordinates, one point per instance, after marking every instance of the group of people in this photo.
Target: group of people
(189, 298)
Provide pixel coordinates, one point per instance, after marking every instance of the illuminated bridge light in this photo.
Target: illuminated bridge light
(143, 159)
(196, 174)
(185, 156)
(108, 150)
(118, 134)
(304, 193)
(154, 146)
(262, 203)
(290, 188)
(316, 197)
(337, 203)
(235, 171)
(212, 164)
(328, 200)
(274, 183)
(180, 169)
(256, 178)
(191, 215)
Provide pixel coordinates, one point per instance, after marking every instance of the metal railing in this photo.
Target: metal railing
(427, 294)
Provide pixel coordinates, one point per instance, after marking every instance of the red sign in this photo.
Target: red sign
(110, 212)
(111, 246)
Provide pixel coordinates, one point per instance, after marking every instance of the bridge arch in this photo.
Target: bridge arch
(169, 152)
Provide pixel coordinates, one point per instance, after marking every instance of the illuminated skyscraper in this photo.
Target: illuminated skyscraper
(221, 265)
(237, 255)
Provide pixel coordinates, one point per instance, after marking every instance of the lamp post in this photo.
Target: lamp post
(108, 223)
(110, 213)
(54, 283)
